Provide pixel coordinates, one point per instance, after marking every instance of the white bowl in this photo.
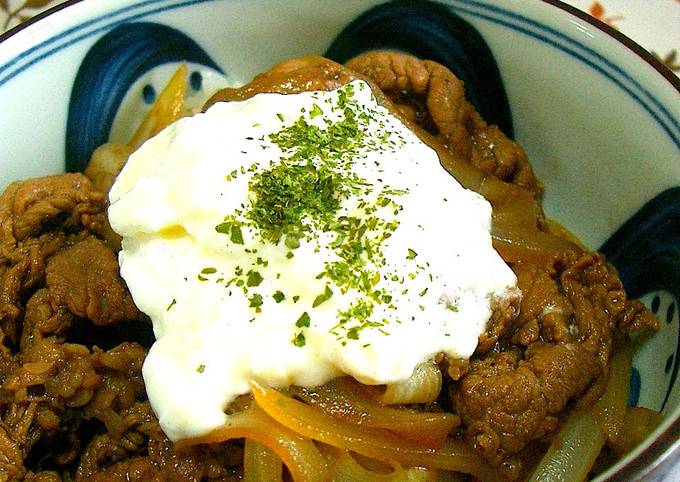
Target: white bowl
(597, 115)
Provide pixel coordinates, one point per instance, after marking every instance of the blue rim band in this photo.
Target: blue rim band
(497, 15)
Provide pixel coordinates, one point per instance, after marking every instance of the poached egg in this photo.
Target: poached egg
(291, 239)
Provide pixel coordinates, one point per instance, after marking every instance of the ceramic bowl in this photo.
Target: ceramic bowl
(598, 116)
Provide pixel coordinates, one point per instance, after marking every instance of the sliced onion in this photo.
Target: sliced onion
(348, 400)
(345, 468)
(638, 424)
(108, 159)
(516, 215)
(421, 387)
(513, 206)
(260, 464)
(375, 443)
(573, 450)
(560, 231)
(610, 410)
(580, 440)
(529, 245)
(301, 456)
(168, 107)
(105, 164)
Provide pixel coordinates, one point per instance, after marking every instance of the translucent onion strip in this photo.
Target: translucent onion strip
(345, 468)
(105, 164)
(573, 451)
(168, 107)
(516, 214)
(375, 443)
(610, 410)
(348, 400)
(638, 424)
(301, 456)
(260, 464)
(421, 387)
(108, 159)
(580, 440)
(529, 245)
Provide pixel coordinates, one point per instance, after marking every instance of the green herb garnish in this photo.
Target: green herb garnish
(254, 278)
(236, 236)
(303, 321)
(287, 194)
(255, 301)
(278, 296)
(315, 112)
(231, 228)
(326, 295)
(299, 340)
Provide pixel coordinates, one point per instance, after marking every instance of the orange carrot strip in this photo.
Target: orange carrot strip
(352, 402)
(375, 443)
(303, 459)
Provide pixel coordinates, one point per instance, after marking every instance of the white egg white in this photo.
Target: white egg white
(440, 268)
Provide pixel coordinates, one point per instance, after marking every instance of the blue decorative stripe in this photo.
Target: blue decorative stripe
(668, 123)
(430, 30)
(108, 71)
(673, 130)
(635, 382)
(646, 252)
(670, 313)
(591, 52)
(674, 369)
(16, 61)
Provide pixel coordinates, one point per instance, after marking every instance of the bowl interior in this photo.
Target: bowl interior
(600, 125)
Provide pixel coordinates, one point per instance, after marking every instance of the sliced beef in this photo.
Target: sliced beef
(43, 320)
(504, 313)
(637, 319)
(65, 202)
(545, 312)
(54, 272)
(557, 351)
(43, 476)
(11, 456)
(59, 387)
(23, 269)
(36, 218)
(84, 277)
(143, 453)
(289, 77)
(432, 96)
(79, 411)
(507, 401)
